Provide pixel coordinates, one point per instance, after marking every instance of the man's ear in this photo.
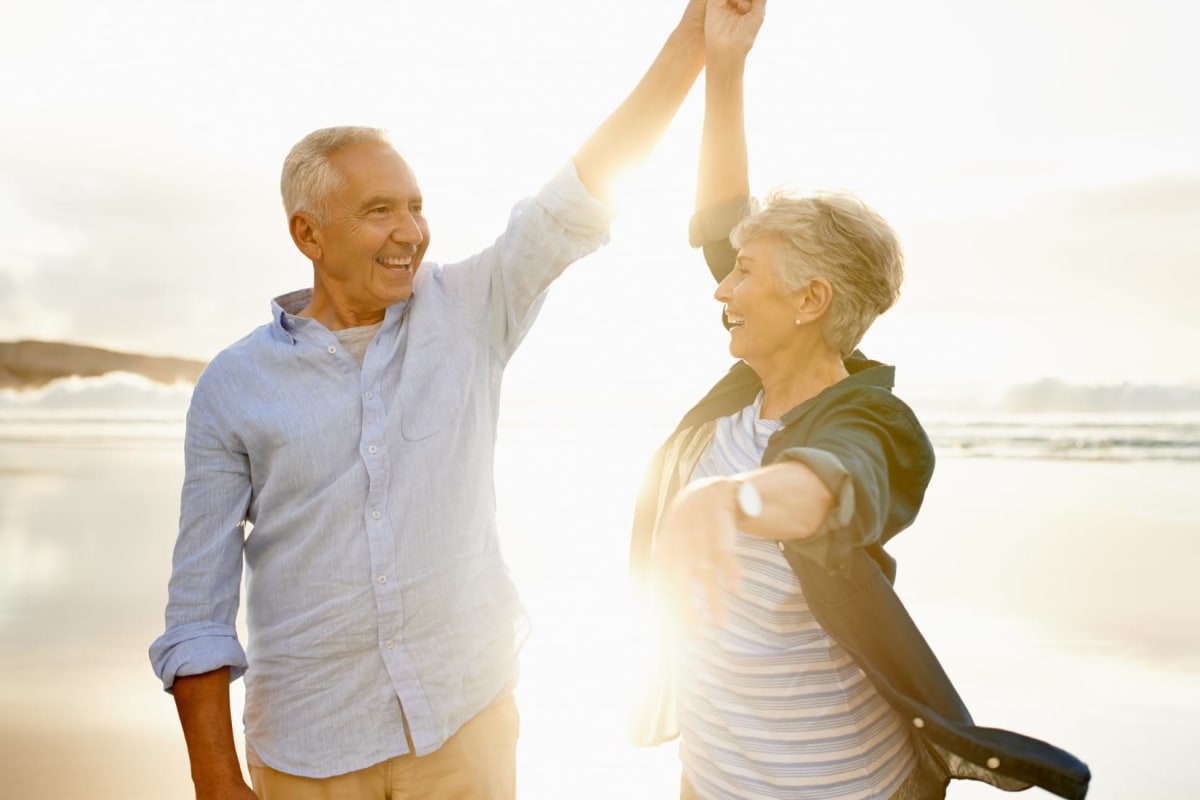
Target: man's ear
(306, 234)
(813, 300)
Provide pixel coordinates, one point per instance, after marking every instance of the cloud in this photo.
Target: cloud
(1090, 285)
(142, 162)
(118, 390)
(139, 256)
(1126, 245)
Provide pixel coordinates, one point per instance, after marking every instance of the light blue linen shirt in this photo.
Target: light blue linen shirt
(374, 580)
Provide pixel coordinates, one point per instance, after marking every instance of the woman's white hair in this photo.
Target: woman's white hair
(836, 237)
(308, 179)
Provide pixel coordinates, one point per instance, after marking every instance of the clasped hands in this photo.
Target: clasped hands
(728, 27)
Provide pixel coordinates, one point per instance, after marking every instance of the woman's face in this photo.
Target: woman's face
(759, 307)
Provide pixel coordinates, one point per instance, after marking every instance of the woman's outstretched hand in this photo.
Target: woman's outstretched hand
(694, 551)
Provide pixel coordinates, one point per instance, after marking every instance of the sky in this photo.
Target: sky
(1039, 159)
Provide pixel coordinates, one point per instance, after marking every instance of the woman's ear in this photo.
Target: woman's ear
(813, 300)
(307, 235)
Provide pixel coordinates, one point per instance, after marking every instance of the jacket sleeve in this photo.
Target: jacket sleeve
(709, 229)
(875, 458)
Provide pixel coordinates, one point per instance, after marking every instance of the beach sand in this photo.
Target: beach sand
(1056, 594)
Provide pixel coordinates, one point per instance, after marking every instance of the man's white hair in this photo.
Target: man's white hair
(308, 179)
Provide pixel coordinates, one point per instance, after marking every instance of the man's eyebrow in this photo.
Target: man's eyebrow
(377, 200)
(388, 200)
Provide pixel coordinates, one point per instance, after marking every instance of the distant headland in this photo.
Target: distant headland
(31, 364)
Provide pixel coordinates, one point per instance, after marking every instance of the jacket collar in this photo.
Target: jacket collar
(863, 372)
(741, 384)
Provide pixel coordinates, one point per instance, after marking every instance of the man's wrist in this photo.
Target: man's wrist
(688, 44)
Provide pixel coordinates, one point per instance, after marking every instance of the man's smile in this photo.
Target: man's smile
(396, 263)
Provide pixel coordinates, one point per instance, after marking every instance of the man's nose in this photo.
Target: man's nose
(407, 231)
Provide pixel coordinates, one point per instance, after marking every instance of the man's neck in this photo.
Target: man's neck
(337, 316)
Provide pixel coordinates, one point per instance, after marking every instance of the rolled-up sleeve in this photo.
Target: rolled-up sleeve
(502, 287)
(830, 545)
(710, 228)
(205, 584)
(876, 461)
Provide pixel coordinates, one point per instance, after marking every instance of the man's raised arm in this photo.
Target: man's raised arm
(632, 130)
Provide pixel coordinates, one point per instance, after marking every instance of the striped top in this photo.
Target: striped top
(769, 705)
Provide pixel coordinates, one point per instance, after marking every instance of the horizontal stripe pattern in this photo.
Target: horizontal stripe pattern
(769, 705)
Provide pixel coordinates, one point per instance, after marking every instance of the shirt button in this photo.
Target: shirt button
(993, 763)
(332, 349)
(918, 722)
(372, 449)
(383, 579)
(369, 395)
(375, 515)
(782, 547)
(389, 644)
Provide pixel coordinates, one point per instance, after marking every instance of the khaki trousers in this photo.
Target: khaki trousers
(476, 763)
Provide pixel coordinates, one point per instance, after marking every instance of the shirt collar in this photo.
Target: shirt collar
(286, 324)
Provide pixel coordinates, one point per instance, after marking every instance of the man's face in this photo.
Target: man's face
(375, 233)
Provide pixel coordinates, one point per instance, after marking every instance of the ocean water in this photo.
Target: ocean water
(121, 406)
(1090, 436)
(1050, 568)
(1106, 436)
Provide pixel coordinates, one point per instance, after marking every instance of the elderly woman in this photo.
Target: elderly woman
(764, 516)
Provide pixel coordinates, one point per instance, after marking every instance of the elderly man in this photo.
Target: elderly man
(343, 452)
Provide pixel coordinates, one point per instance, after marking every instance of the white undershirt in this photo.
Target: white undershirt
(356, 340)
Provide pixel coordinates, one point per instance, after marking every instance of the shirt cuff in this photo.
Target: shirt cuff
(715, 223)
(195, 649)
(828, 547)
(566, 199)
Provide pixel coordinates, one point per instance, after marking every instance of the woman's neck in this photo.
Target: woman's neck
(783, 390)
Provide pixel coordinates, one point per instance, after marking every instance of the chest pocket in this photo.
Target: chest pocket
(435, 381)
